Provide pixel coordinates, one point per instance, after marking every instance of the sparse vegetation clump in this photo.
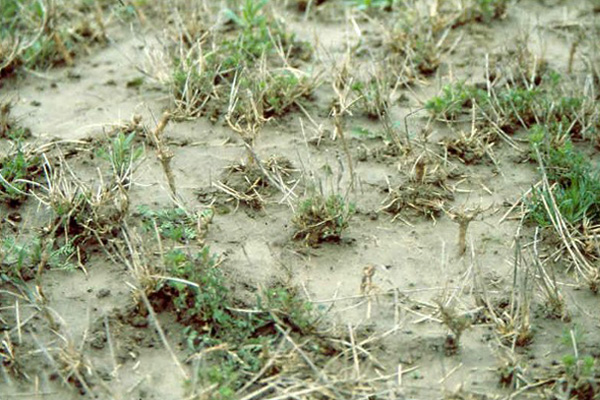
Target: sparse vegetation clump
(253, 181)
(322, 218)
(41, 34)
(249, 73)
(520, 105)
(424, 190)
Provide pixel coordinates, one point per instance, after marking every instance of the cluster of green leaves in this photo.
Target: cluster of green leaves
(15, 170)
(273, 93)
(576, 180)
(17, 259)
(198, 293)
(454, 100)
(20, 258)
(17, 166)
(202, 297)
(415, 40)
(320, 218)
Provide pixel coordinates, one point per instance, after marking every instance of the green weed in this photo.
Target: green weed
(268, 94)
(415, 42)
(9, 128)
(249, 14)
(38, 35)
(374, 95)
(579, 373)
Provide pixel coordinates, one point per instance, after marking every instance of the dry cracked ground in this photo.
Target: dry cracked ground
(299, 199)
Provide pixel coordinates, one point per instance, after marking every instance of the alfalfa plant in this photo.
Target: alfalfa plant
(177, 224)
(424, 189)
(455, 100)
(261, 94)
(218, 74)
(374, 94)
(521, 95)
(9, 125)
(569, 206)
(320, 218)
(20, 257)
(578, 374)
(123, 154)
(81, 212)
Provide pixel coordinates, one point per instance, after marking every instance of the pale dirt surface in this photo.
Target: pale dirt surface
(418, 260)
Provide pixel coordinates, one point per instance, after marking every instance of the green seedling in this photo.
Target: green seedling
(38, 36)
(513, 107)
(122, 154)
(374, 96)
(579, 372)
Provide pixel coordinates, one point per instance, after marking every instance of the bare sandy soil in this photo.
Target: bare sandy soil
(384, 286)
